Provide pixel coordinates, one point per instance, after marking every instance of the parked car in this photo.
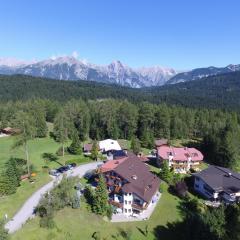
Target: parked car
(54, 172)
(62, 169)
(73, 165)
(89, 174)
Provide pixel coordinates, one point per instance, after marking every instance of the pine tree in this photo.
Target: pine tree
(75, 147)
(94, 151)
(232, 213)
(135, 145)
(100, 201)
(25, 123)
(38, 112)
(12, 174)
(166, 174)
(162, 123)
(6, 185)
(3, 232)
(41, 125)
(147, 138)
(61, 129)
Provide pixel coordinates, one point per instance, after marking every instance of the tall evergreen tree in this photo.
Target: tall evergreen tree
(3, 232)
(26, 124)
(127, 118)
(232, 214)
(94, 151)
(6, 185)
(61, 129)
(135, 145)
(166, 174)
(75, 147)
(12, 174)
(162, 123)
(100, 201)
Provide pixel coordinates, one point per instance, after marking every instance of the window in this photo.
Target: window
(125, 201)
(125, 210)
(129, 210)
(129, 202)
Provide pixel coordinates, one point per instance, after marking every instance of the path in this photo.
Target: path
(28, 207)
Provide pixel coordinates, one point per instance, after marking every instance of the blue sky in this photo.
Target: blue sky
(181, 34)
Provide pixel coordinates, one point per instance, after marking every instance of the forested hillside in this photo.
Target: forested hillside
(222, 91)
(21, 87)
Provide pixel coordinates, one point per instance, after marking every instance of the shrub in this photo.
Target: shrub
(3, 232)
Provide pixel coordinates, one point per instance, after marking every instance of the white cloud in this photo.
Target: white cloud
(53, 57)
(75, 54)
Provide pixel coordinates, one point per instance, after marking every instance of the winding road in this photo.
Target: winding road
(26, 211)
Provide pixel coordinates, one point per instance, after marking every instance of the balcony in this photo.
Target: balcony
(139, 207)
(116, 204)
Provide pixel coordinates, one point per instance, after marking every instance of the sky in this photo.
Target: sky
(182, 34)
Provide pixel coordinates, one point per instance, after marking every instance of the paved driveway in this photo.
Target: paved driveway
(27, 209)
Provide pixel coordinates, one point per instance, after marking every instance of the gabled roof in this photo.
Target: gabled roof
(109, 144)
(160, 142)
(87, 147)
(179, 153)
(220, 179)
(140, 180)
(111, 165)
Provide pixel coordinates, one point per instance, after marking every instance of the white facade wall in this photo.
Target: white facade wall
(127, 204)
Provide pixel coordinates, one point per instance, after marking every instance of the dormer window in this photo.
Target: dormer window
(134, 177)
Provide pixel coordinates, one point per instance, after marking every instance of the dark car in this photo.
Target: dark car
(73, 165)
(54, 172)
(62, 169)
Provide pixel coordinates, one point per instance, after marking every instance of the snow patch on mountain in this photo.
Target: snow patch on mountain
(71, 68)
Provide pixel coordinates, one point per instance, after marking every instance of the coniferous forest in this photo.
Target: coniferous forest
(221, 91)
(216, 131)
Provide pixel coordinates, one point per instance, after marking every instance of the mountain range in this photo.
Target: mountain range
(199, 73)
(70, 68)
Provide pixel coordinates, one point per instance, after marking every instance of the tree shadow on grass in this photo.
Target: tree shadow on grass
(170, 232)
(51, 157)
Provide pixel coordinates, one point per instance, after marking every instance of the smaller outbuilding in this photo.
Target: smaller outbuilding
(87, 148)
(109, 145)
(10, 131)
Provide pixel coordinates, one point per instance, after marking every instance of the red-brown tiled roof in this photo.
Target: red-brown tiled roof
(140, 180)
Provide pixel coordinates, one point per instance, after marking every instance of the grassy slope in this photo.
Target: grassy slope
(10, 204)
(80, 224)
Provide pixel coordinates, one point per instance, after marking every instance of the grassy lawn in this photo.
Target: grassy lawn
(10, 204)
(80, 224)
(126, 144)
